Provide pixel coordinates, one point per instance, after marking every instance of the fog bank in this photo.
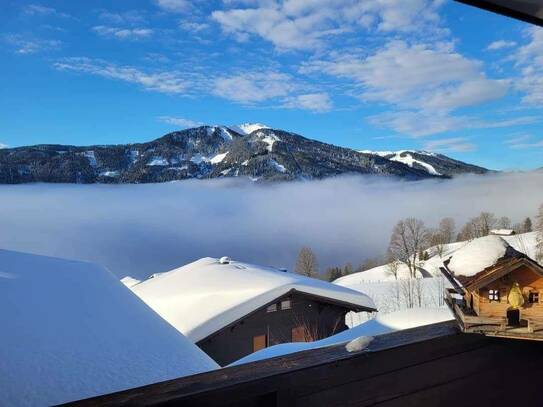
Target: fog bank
(142, 229)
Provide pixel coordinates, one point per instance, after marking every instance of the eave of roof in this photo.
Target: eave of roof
(523, 10)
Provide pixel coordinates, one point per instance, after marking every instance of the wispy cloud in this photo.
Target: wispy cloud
(130, 17)
(30, 45)
(425, 123)
(316, 102)
(2, 145)
(40, 10)
(423, 82)
(455, 144)
(529, 60)
(123, 33)
(501, 44)
(174, 6)
(180, 122)
(524, 141)
(164, 82)
(250, 87)
(304, 25)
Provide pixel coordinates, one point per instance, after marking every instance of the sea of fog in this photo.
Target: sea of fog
(138, 230)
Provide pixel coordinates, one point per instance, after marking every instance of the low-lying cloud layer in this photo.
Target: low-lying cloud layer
(142, 229)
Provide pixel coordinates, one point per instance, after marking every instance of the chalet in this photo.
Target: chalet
(231, 309)
(497, 289)
(502, 232)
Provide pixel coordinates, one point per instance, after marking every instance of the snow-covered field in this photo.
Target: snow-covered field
(139, 230)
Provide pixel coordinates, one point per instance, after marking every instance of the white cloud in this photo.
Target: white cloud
(130, 17)
(423, 123)
(123, 33)
(2, 145)
(424, 83)
(27, 46)
(501, 44)
(305, 24)
(251, 87)
(456, 144)
(164, 82)
(415, 76)
(39, 10)
(180, 122)
(192, 25)
(316, 102)
(524, 141)
(174, 6)
(529, 61)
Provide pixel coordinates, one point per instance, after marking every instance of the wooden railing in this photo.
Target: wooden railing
(425, 366)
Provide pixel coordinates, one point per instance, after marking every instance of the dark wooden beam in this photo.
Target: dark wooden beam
(425, 366)
(530, 11)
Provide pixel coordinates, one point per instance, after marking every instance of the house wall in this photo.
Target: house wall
(528, 281)
(235, 342)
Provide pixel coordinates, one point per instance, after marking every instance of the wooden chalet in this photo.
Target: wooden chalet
(503, 299)
(232, 309)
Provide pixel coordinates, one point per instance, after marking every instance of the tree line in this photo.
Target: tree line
(411, 238)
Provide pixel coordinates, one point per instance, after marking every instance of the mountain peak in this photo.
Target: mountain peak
(247, 128)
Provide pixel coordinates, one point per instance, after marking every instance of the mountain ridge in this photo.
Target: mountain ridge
(248, 150)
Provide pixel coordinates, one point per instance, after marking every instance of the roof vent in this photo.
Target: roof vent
(225, 260)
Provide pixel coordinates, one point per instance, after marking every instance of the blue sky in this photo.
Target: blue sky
(374, 74)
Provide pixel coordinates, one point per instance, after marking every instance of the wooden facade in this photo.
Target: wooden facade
(295, 317)
(505, 299)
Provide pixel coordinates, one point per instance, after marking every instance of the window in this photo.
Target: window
(494, 295)
(271, 308)
(285, 304)
(259, 342)
(533, 297)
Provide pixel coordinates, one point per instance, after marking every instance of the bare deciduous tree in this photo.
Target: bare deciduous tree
(408, 238)
(306, 263)
(447, 229)
(539, 230)
(503, 223)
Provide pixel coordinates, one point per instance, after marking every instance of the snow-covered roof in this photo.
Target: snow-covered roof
(383, 324)
(477, 255)
(130, 281)
(202, 297)
(71, 330)
(502, 232)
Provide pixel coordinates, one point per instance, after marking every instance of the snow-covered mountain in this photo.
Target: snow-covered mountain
(433, 163)
(247, 150)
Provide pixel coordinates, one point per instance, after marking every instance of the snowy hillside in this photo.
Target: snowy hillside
(249, 150)
(247, 128)
(71, 330)
(432, 163)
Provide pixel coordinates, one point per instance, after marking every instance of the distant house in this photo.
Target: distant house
(497, 290)
(231, 309)
(502, 232)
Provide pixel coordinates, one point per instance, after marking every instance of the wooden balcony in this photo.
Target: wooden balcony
(472, 323)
